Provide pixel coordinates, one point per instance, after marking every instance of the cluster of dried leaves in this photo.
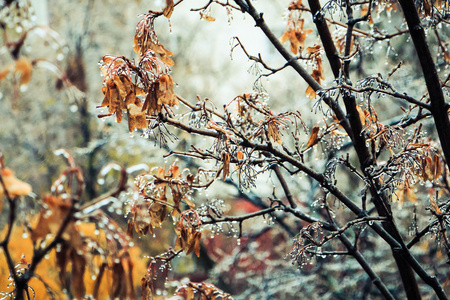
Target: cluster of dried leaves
(140, 90)
(159, 191)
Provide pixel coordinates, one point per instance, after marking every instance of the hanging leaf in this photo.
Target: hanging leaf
(296, 36)
(136, 118)
(188, 238)
(314, 137)
(226, 165)
(52, 217)
(168, 10)
(317, 72)
(362, 115)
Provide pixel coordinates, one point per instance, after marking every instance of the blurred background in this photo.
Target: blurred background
(57, 108)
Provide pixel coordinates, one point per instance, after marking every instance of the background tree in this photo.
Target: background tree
(369, 144)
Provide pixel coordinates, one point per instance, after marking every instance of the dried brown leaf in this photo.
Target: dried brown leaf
(362, 116)
(226, 165)
(314, 137)
(168, 10)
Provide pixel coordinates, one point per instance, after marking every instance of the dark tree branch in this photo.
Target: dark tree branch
(258, 17)
(325, 36)
(284, 185)
(437, 100)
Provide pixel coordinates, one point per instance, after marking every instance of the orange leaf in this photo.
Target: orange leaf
(198, 236)
(296, 36)
(207, 17)
(310, 93)
(313, 49)
(23, 68)
(411, 195)
(5, 71)
(14, 186)
(362, 116)
(168, 10)
(446, 55)
(314, 137)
